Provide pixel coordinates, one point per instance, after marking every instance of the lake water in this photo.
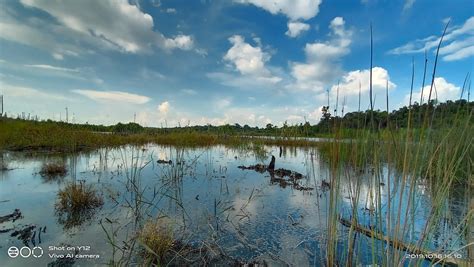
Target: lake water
(210, 203)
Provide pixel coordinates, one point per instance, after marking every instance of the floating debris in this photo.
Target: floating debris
(162, 161)
(25, 234)
(258, 167)
(11, 217)
(282, 177)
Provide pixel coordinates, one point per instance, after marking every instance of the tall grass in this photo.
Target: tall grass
(401, 160)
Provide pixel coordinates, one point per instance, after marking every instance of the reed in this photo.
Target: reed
(401, 160)
(53, 169)
(76, 203)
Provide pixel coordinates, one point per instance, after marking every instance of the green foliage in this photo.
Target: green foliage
(128, 128)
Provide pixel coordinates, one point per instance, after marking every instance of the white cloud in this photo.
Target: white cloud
(446, 20)
(350, 81)
(52, 68)
(458, 43)
(223, 103)
(322, 59)
(171, 10)
(183, 42)
(28, 92)
(293, 9)
(295, 28)
(149, 74)
(156, 3)
(164, 107)
(189, 91)
(249, 60)
(58, 56)
(27, 35)
(408, 5)
(83, 74)
(113, 96)
(461, 53)
(132, 33)
(243, 81)
(442, 91)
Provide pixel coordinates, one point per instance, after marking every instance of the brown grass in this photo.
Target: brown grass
(76, 197)
(157, 238)
(76, 203)
(53, 169)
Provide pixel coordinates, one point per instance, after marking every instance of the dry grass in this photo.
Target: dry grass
(157, 238)
(76, 197)
(53, 169)
(76, 203)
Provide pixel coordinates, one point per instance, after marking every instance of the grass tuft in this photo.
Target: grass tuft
(76, 203)
(156, 236)
(53, 169)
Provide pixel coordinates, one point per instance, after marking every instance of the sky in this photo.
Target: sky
(195, 62)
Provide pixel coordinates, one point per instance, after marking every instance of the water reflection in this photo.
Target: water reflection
(279, 216)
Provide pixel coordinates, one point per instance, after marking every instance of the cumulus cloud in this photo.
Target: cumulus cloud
(346, 91)
(293, 9)
(132, 33)
(442, 91)
(351, 81)
(164, 107)
(296, 28)
(249, 60)
(322, 59)
(183, 42)
(113, 96)
(458, 43)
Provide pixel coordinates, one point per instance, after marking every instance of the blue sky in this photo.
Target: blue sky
(179, 62)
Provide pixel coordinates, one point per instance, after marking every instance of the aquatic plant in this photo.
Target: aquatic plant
(156, 237)
(437, 157)
(53, 169)
(76, 203)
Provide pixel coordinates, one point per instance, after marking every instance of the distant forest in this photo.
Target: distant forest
(435, 115)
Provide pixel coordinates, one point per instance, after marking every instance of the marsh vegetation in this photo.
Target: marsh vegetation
(378, 187)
